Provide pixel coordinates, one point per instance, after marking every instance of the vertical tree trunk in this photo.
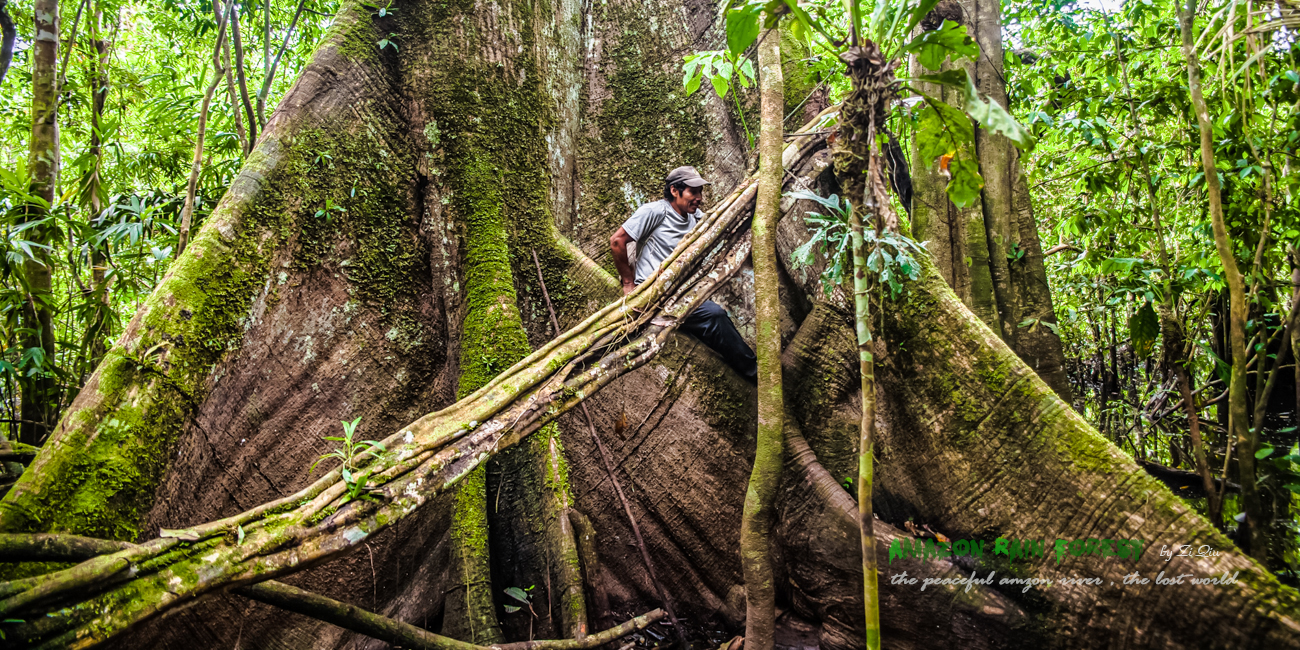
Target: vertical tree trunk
(756, 524)
(956, 235)
(38, 399)
(1238, 392)
(8, 34)
(191, 189)
(97, 327)
(241, 78)
(990, 252)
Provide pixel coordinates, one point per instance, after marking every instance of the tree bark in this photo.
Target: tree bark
(1004, 280)
(756, 524)
(8, 34)
(98, 324)
(39, 401)
(977, 446)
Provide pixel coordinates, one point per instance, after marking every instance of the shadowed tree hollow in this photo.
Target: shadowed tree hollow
(496, 131)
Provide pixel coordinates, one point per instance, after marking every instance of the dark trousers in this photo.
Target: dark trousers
(711, 325)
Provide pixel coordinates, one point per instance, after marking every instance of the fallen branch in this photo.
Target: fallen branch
(63, 548)
(1183, 482)
(1060, 247)
(405, 635)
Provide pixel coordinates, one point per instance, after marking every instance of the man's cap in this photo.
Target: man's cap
(686, 175)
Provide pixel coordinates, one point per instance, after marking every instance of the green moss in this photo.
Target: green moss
(644, 126)
(484, 126)
(798, 76)
(102, 479)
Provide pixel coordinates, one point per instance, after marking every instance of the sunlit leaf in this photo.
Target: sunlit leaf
(742, 28)
(950, 40)
(988, 113)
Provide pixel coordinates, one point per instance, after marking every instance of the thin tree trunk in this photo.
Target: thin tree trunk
(858, 167)
(191, 189)
(43, 166)
(866, 438)
(1238, 393)
(240, 76)
(245, 144)
(270, 73)
(266, 40)
(8, 34)
(756, 524)
(97, 329)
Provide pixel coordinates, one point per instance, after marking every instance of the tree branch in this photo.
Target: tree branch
(1060, 247)
(270, 74)
(56, 548)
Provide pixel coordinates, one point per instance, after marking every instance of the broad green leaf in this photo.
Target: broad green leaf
(688, 67)
(965, 185)
(742, 28)
(510, 609)
(1144, 327)
(517, 593)
(945, 137)
(941, 129)
(989, 114)
(693, 84)
(1263, 452)
(950, 40)
(719, 85)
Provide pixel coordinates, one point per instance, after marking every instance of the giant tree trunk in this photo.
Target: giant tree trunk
(990, 253)
(274, 325)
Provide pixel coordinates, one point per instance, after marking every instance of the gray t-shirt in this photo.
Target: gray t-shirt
(657, 228)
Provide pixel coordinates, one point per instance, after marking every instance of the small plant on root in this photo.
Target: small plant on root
(352, 452)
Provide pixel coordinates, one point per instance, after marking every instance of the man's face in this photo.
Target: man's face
(687, 201)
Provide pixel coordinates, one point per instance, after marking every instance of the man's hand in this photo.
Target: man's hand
(618, 245)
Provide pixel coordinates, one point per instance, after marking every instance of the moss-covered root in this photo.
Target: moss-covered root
(983, 448)
(494, 339)
(99, 472)
(470, 613)
(977, 444)
(756, 523)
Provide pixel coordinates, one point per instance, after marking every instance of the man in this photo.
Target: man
(657, 228)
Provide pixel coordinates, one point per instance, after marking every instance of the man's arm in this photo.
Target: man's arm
(618, 244)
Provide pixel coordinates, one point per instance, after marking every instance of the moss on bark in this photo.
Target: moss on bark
(99, 473)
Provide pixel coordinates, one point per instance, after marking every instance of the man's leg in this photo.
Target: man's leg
(711, 325)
